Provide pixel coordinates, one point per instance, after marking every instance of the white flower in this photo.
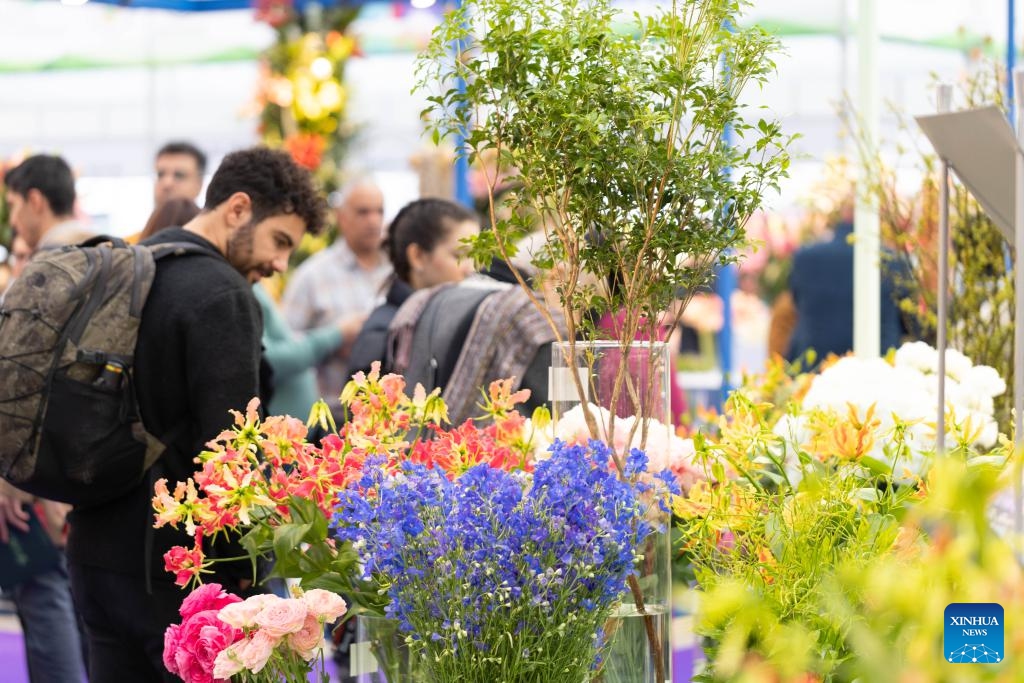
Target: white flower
(904, 392)
(664, 449)
(985, 380)
(919, 356)
(957, 364)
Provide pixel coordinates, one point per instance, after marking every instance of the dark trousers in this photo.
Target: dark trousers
(125, 624)
(53, 647)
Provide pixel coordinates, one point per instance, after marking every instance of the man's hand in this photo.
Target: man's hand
(54, 519)
(349, 326)
(12, 514)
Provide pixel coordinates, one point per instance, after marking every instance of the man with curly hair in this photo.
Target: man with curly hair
(197, 357)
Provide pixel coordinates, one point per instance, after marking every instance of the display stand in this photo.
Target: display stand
(982, 150)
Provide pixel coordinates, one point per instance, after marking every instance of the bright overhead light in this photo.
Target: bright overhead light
(321, 68)
(73, 3)
(422, 4)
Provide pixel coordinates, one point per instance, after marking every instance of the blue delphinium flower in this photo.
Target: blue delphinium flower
(506, 576)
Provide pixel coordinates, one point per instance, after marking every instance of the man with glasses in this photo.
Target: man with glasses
(179, 172)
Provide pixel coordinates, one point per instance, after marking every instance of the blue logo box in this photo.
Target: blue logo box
(973, 633)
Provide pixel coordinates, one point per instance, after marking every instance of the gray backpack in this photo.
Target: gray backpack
(68, 412)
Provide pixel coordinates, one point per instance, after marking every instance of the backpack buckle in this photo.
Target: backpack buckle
(91, 357)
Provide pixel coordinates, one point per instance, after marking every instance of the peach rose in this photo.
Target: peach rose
(282, 617)
(228, 662)
(324, 604)
(307, 640)
(243, 614)
(255, 652)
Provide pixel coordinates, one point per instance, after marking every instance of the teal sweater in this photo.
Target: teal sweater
(292, 356)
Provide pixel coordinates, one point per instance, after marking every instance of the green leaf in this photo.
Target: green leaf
(868, 493)
(288, 538)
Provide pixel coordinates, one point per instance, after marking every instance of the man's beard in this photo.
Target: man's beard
(240, 247)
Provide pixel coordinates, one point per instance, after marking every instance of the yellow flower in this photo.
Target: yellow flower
(332, 96)
(320, 414)
(431, 406)
(853, 438)
(240, 495)
(697, 503)
(183, 506)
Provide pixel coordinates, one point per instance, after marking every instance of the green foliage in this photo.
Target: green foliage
(874, 610)
(615, 128)
(302, 549)
(837, 569)
(784, 548)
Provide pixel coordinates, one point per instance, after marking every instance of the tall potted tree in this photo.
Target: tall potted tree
(632, 153)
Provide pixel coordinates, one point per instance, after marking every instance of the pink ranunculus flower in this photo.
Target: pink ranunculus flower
(282, 617)
(209, 596)
(190, 628)
(307, 640)
(213, 640)
(189, 668)
(255, 651)
(324, 604)
(243, 614)
(191, 649)
(172, 641)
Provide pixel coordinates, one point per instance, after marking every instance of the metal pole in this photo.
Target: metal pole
(462, 192)
(727, 275)
(944, 102)
(1011, 56)
(1018, 317)
(867, 288)
(1011, 106)
(845, 89)
(725, 286)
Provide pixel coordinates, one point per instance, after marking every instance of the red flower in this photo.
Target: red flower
(306, 149)
(183, 563)
(274, 12)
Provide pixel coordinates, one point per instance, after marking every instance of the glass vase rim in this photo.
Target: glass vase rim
(609, 344)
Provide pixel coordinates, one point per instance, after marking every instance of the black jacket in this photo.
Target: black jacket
(197, 357)
(372, 342)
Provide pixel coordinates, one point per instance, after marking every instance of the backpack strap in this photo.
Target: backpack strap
(95, 241)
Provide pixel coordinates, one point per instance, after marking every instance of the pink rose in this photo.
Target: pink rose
(307, 640)
(212, 641)
(324, 604)
(255, 652)
(282, 617)
(243, 614)
(189, 668)
(190, 628)
(198, 641)
(228, 662)
(171, 645)
(206, 597)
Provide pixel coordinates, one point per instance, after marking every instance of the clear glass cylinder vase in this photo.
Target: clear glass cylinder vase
(630, 387)
(380, 654)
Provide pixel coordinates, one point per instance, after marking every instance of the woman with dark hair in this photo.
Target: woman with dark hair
(173, 213)
(425, 244)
